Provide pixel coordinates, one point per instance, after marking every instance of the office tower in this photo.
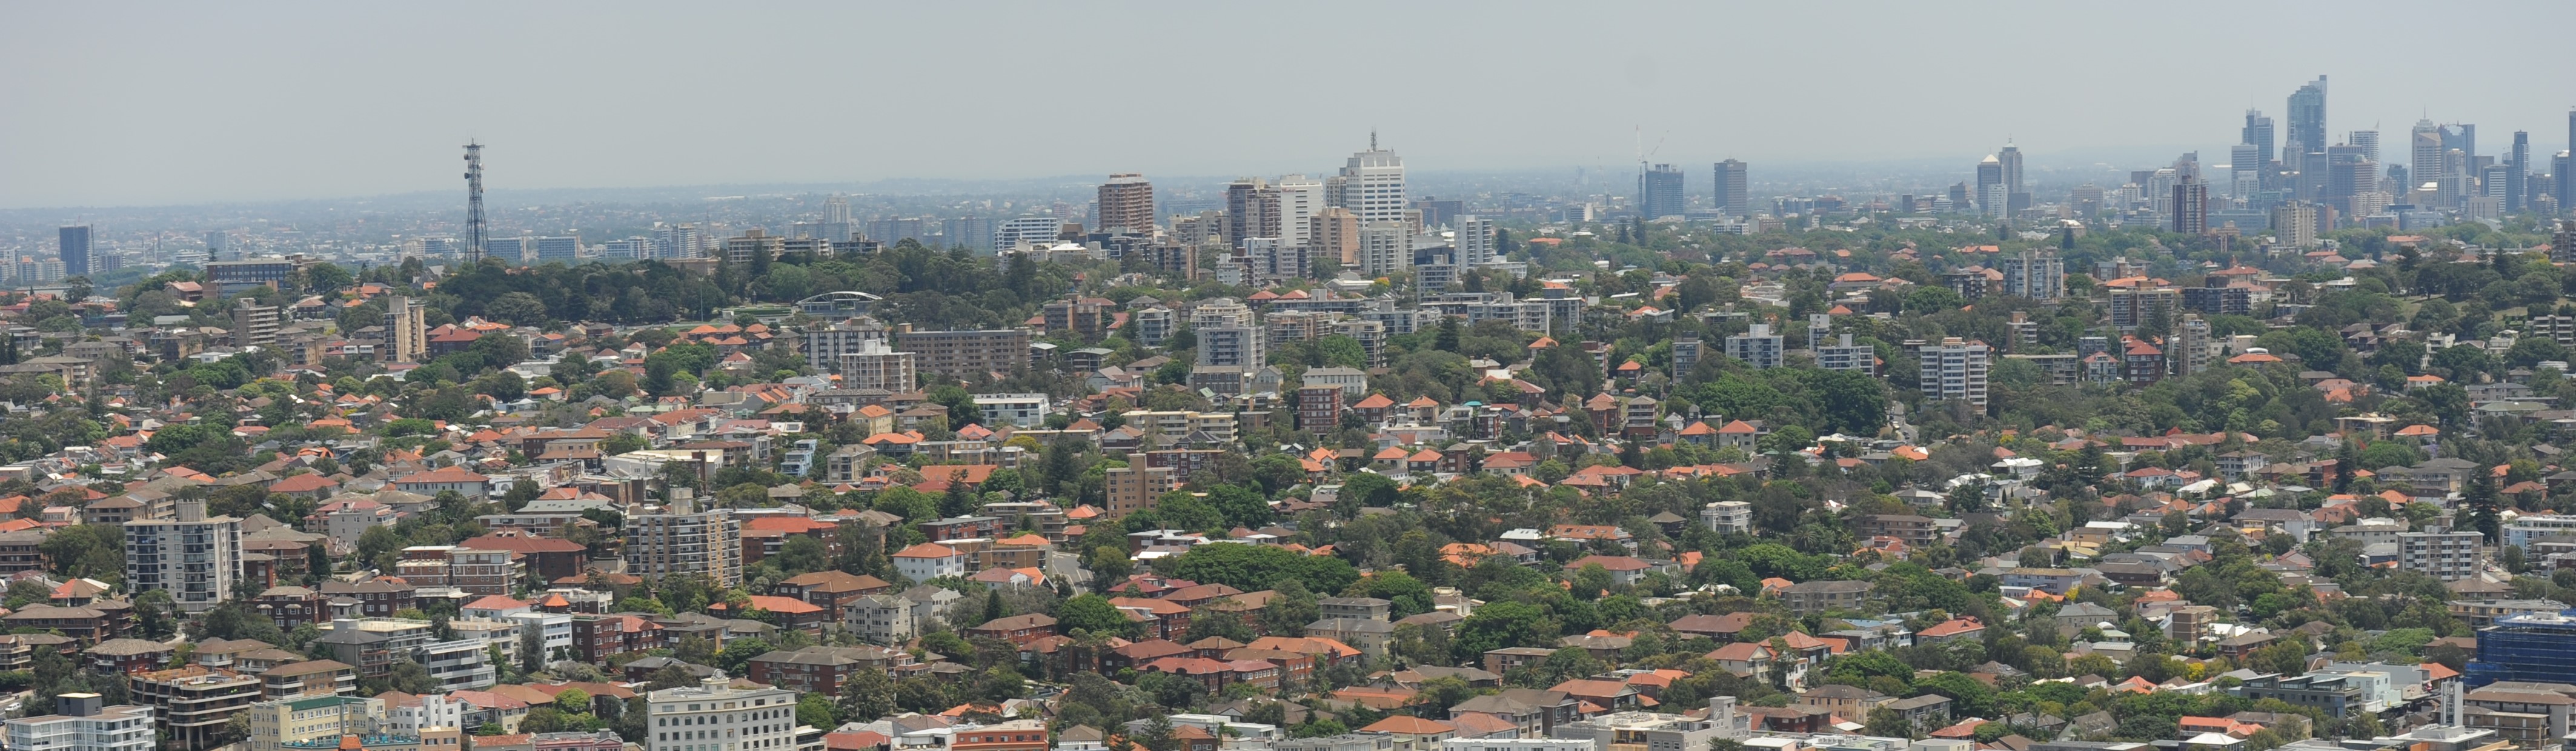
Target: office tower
(970, 232)
(75, 250)
(677, 241)
(2190, 207)
(683, 542)
(1251, 210)
(961, 354)
(2367, 141)
(1757, 347)
(1334, 232)
(1437, 212)
(892, 231)
(2307, 119)
(1372, 185)
(1386, 247)
(2517, 188)
(1040, 231)
(2461, 136)
(254, 325)
(1475, 240)
(2426, 164)
(406, 330)
(2035, 274)
(2258, 133)
(510, 249)
(1732, 194)
(1300, 199)
(2016, 193)
(564, 249)
(2244, 158)
(2295, 224)
(1990, 173)
(1127, 204)
(1659, 192)
(195, 557)
(1955, 370)
(2563, 169)
(81, 721)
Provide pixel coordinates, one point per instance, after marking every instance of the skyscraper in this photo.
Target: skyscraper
(75, 248)
(196, 557)
(1251, 210)
(1475, 240)
(1300, 198)
(1127, 203)
(1659, 192)
(2258, 133)
(2016, 196)
(1990, 178)
(2190, 207)
(2517, 191)
(2426, 165)
(1732, 197)
(1372, 185)
(2307, 119)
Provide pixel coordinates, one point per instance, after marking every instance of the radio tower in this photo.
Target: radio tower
(473, 203)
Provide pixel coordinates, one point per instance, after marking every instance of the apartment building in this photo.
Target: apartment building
(195, 557)
(964, 353)
(703, 543)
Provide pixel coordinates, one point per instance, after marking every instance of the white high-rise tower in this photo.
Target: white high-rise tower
(1372, 185)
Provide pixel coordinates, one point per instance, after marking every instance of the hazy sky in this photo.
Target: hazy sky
(126, 104)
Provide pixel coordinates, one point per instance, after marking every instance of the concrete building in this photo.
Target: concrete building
(196, 557)
(965, 353)
(2448, 556)
(406, 330)
(1125, 203)
(1386, 248)
(824, 345)
(1757, 347)
(1956, 370)
(712, 715)
(1728, 517)
(875, 365)
(82, 723)
(255, 325)
(679, 541)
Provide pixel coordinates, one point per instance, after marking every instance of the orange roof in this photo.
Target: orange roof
(928, 550)
(1374, 401)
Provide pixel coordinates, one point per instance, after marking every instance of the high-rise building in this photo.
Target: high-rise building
(2035, 274)
(713, 715)
(2294, 223)
(1036, 230)
(2426, 165)
(2190, 207)
(1126, 204)
(1732, 194)
(2258, 133)
(562, 249)
(965, 353)
(2307, 119)
(1385, 248)
(1757, 347)
(1956, 370)
(1474, 240)
(216, 243)
(1372, 185)
(1300, 199)
(1335, 233)
(1251, 210)
(1990, 173)
(2517, 190)
(876, 365)
(1659, 192)
(2563, 168)
(2016, 195)
(406, 330)
(2366, 142)
(1136, 486)
(677, 241)
(254, 325)
(74, 243)
(81, 722)
(681, 541)
(195, 557)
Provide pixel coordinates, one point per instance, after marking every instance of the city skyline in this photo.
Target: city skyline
(99, 130)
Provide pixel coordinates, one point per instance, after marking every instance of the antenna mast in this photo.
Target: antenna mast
(473, 203)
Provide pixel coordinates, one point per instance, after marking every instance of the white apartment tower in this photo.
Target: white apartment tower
(1757, 347)
(1955, 370)
(196, 557)
(1300, 199)
(1475, 240)
(406, 330)
(876, 365)
(81, 722)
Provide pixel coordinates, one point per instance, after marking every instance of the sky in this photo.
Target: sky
(130, 104)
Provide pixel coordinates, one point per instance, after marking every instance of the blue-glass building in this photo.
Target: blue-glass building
(2538, 647)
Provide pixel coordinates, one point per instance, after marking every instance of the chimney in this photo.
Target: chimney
(77, 705)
